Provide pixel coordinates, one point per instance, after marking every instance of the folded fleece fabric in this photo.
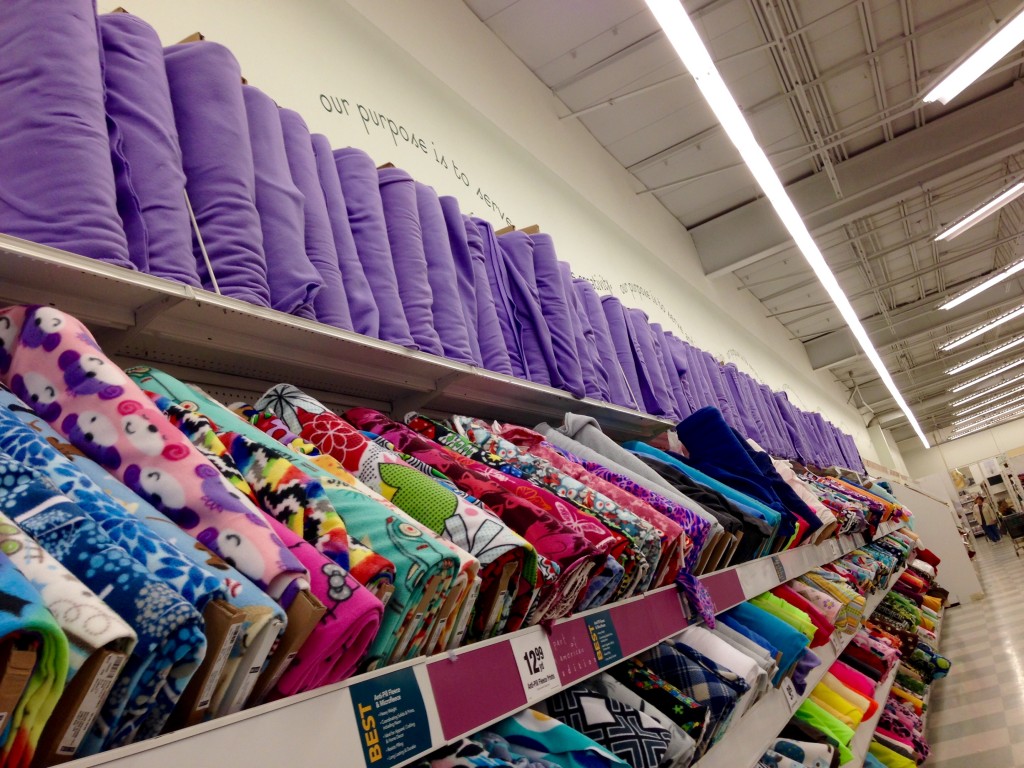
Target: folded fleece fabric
(360, 187)
(362, 307)
(293, 280)
(145, 150)
(494, 354)
(54, 365)
(25, 620)
(330, 305)
(205, 81)
(52, 126)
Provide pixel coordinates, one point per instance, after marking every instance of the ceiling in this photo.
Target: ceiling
(831, 89)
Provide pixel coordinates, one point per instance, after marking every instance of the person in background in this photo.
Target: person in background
(988, 517)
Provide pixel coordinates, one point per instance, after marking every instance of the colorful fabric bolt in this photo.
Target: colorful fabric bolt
(535, 735)
(25, 619)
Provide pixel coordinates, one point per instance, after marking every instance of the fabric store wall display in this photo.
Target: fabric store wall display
(52, 124)
(505, 151)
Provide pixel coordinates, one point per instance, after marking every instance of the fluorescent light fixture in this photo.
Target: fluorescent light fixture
(989, 375)
(1005, 39)
(983, 392)
(690, 49)
(990, 400)
(978, 214)
(993, 409)
(983, 328)
(1016, 414)
(1017, 341)
(1004, 274)
(987, 421)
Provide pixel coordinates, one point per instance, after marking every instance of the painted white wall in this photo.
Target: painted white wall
(440, 77)
(965, 450)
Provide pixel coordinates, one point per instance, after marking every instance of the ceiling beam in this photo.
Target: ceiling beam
(839, 346)
(976, 134)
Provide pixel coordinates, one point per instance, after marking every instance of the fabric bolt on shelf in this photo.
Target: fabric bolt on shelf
(678, 366)
(742, 643)
(405, 238)
(423, 569)
(534, 735)
(515, 278)
(690, 376)
(362, 307)
(288, 494)
(52, 124)
(808, 753)
(494, 354)
(823, 628)
(681, 746)
(360, 186)
(593, 385)
(785, 638)
(24, 617)
(453, 228)
(504, 555)
(479, 232)
(88, 623)
(635, 736)
(605, 356)
(330, 304)
(654, 389)
(721, 652)
(171, 644)
(344, 634)
(463, 753)
(554, 304)
(165, 561)
(451, 297)
(565, 557)
(294, 281)
(719, 388)
(675, 542)
(262, 614)
(617, 320)
(670, 372)
(688, 714)
(145, 150)
(56, 367)
(839, 734)
(639, 542)
(205, 82)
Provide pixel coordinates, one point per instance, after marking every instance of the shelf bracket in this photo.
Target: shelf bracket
(113, 340)
(416, 402)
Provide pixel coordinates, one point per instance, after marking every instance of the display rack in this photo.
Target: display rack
(746, 740)
(465, 690)
(235, 349)
(866, 730)
(210, 339)
(928, 693)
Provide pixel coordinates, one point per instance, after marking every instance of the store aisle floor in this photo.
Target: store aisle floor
(976, 714)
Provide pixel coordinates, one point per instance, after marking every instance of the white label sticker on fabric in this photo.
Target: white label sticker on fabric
(536, 664)
(780, 571)
(837, 549)
(91, 704)
(792, 697)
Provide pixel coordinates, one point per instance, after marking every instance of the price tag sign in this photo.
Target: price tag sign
(837, 549)
(780, 571)
(790, 694)
(536, 664)
(391, 718)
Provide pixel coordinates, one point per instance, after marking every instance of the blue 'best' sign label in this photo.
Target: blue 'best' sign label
(391, 718)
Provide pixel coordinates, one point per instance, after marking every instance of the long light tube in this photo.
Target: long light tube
(987, 421)
(993, 409)
(1016, 414)
(1015, 342)
(989, 375)
(983, 329)
(1009, 34)
(995, 279)
(690, 49)
(993, 388)
(989, 401)
(962, 225)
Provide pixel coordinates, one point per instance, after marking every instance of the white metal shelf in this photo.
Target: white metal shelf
(748, 739)
(141, 318)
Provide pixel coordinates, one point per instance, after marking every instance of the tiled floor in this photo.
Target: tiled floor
(976, 714)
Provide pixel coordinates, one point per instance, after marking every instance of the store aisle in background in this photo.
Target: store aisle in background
(976, 714)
